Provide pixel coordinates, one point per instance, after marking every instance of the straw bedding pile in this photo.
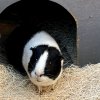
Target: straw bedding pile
(76, 84)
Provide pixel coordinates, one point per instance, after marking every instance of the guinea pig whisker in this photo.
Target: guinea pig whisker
(50, 75)
(66, 63)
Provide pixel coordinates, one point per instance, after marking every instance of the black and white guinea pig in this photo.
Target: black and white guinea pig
(42, 59)
(38, 54)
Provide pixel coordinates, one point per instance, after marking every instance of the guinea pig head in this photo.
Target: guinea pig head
(45, 66)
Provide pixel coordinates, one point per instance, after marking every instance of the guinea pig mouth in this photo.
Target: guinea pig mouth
(38, 80)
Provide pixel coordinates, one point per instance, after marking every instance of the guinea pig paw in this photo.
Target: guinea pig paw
(40, 90)
(53, 86)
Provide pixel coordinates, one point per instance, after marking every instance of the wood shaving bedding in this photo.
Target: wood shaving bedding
(75, 84)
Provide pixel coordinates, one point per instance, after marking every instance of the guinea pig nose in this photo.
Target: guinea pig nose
(38, 75)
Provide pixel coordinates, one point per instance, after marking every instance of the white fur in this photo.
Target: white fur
(40, 38)
(44, 80)
(62, 62)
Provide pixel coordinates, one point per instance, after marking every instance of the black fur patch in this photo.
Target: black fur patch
(53, 65)
(37, 52)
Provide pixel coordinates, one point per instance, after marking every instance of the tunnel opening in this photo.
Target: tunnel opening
(43, 15)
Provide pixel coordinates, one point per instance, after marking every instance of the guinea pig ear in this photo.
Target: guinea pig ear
(31, 48)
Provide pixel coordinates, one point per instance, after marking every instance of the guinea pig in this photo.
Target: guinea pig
(31, 48)
(39, 55)
(42, 59)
